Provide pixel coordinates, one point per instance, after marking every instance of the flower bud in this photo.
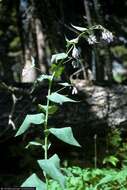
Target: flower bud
(75, 63)
(74, 90)
(76, 53)
(92, 39)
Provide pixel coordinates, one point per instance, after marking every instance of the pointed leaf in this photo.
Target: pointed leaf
(51, 109)
(58, 98)
(33, 118)
(65, 84)
(34, 181)
(33, 143)
(81, 29)
(59, 56)
(111, 159)
(52, 168)
(106, 179)
(65, 134)
(58, 69)
(44, 77)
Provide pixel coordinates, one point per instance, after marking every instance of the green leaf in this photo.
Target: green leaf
(44, 77)
(57, 57)
(81, 29)
(34, 181)
(119, 78)
(58, 98)
(58, 69)
(111, 159)
(52, 168)
(51, 109)
(121, 176)
(65, 84)
(65, 134)
(30, 119)
(33, 143)
(106, 179)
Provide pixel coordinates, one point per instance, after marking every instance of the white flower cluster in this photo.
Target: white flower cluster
(107, 36)
(92, 39)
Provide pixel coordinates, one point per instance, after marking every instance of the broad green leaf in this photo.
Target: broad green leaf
(106, 179)
(44, 77)
(58, 69)
(30, 119)
(65, 134)
(33, 143)
(34, 181)
(59, 56)
(52, 168)
(121, 176)
(119, 78)
(65, 84)
(58, 98)
(81, 29)
(51, 109)
(111, 159)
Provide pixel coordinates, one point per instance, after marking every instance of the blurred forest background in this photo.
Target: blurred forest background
(34, 30)
(38, 29)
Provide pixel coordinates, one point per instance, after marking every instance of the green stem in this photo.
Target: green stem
(46, 127)
(95, 151)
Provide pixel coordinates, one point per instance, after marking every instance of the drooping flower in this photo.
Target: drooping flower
(75, 63)
(74, 90)
(107, 36)
(92, 39)
(76, 53)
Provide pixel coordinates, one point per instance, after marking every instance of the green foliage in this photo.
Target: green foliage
(30, 119)
(14, 43)
(65, 134)
(117, 149)
(111, 159)
(93, 179)
(58, 98)
(52, 168)
(57, 69)
(119, 51)
(34, 181)
(51, 109)
(119, 78)
(114, 138)
(57, 57)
